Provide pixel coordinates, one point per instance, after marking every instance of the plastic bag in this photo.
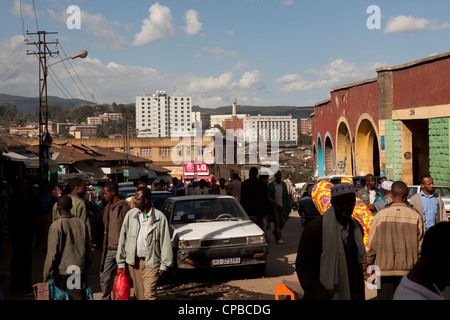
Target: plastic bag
(122, 286)
(89, 295)
(57, 293)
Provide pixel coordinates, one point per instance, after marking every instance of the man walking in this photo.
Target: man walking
(331, 251)
(113, 216)
(395, 240)
(280, 206)
(144, 245)
(79, 209)
(68, 248)
(369, 193)
(428, 203)
(235, 187)
(254, 198)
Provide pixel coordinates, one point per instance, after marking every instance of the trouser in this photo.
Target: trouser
(108, 273)
(262, 223)
(279, 222)
(145, 280)
(388, 284)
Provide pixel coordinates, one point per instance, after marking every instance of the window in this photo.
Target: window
(146, 152)
(164, 152)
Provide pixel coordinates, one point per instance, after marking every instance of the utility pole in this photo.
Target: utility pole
(45, 140)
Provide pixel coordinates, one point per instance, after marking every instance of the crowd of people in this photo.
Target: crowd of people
(405, 250)
(407, 254)
(69, 223)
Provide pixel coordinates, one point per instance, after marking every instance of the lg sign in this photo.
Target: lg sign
(200, 168)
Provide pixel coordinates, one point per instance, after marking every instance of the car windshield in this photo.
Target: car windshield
(443, 192)
(205, 210)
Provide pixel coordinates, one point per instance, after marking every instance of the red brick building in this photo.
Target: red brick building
(396, 123)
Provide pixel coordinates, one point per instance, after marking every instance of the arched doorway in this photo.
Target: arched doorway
(367, 149)
(329, 157)
(344, 150)
(320, 163)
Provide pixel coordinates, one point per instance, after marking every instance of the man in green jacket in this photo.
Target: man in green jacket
(79, 209)
(280, 207)
(68, 251)
(144, 245)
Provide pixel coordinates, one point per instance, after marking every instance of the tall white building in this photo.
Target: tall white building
(280, 128)
(159, 115)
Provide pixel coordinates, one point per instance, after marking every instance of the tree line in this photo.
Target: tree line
(10, 115)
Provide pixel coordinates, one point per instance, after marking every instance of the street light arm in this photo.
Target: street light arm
(82, 54)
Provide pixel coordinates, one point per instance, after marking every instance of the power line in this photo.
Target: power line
(90, 93)
(67, 98)
(11, 54)
(72, 78)
(21, 16)
(35, 17)
(17, 72)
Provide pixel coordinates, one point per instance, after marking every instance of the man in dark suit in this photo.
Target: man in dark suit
(255, 198)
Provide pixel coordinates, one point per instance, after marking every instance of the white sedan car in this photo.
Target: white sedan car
(213, 231)
(443, 192)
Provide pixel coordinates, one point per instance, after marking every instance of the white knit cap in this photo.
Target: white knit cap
(387, 185)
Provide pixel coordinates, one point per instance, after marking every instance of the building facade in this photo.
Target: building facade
(396, 124)
(160, 115)
(272, 128)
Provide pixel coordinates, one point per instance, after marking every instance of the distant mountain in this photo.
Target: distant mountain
(28, 105)
(295, 112)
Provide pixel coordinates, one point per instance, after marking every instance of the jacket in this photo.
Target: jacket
(395, 239)
(286, 200)
(68, 245)
(254, 197)
(364, 195)
(159, 249)
(118, 210)
(416, 202)
(78, 210)
(409, 290)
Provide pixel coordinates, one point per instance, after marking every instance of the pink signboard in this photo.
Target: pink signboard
(198, 168)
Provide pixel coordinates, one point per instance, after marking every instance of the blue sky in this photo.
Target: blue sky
(260, 52)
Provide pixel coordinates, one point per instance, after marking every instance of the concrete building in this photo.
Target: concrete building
(108, 116)
(305, 126)
(83, 132)
(280, 128)
(397, 123)
(160, 115)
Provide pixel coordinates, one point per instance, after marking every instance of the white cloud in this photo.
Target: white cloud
(22, 9)
(220, 53)
(193, 24)
(157, 26)
(250, 79)
(287, 2)
(409, 24)
(96, 24)
(337, 72)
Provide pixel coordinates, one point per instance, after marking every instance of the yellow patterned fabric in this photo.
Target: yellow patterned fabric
(321, 196)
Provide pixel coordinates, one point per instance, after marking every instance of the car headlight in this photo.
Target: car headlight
(189, 244)
(256, 239)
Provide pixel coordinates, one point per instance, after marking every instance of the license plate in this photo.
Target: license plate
(225, 261)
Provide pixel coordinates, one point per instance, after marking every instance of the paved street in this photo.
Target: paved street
(280, 266)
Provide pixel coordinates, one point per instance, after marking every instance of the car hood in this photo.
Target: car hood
(216, 230)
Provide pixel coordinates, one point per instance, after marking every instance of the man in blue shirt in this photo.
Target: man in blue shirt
(429, 204)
